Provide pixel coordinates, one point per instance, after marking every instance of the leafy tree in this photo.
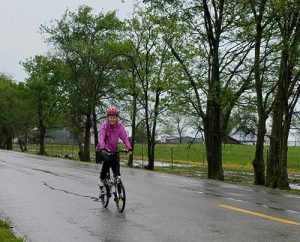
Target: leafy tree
(149, 59)
(83, 40)
(127, 87)
(45, 81)
(260, 27)
(7, 98)
(205, 38)
(26, 116)
(141, 133)
(243, 122)
(16, 113)
(287, 16)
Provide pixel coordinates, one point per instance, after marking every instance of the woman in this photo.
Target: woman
(109, 134)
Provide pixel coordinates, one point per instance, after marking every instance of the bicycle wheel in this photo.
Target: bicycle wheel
(120, 197)
(104, 197)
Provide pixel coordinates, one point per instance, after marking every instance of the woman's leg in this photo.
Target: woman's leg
(115, 165)
(105, 165)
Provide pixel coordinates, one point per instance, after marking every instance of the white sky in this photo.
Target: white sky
(20, 21)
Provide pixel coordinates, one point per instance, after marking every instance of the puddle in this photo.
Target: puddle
(295, 186)
(140, 163)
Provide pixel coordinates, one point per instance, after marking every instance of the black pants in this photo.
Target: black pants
(109, 161)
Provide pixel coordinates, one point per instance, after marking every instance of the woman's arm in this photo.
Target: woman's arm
(101, 135)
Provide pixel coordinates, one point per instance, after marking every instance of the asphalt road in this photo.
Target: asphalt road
(55, 200)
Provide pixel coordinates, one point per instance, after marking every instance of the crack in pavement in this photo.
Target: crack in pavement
(95, 199)
(48, 172)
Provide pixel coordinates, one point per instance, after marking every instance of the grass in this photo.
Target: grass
(6, 234)
(235, 156)
(236, 159)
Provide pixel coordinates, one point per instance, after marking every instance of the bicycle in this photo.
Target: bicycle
(113, 186)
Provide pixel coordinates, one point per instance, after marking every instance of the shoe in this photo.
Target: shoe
(100, 183)
(117, 179)
(102, 191)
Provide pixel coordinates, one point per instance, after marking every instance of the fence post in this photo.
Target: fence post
(72, 152)
(172, 157)
(142, 156)
(203, 155)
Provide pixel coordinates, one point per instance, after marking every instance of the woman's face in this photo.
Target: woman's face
(112, 119)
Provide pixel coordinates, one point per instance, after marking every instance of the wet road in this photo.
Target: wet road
(53, 200)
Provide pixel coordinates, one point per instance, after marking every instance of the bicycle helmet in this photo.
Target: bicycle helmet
(112, 111)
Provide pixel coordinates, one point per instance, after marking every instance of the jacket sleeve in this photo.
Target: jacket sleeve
(101, 137)
(124, 137)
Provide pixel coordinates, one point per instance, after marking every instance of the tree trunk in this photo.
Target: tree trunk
(95, 129)
(80, 145)
(26, 140)
(151, 144)
(133, 128)
(8, 142)
(179, 133)
(20, 144)
(150, 165)
(287, 95)
(42, 130)
(258, 162)
(80, 152)
(277, 165)
(87, 137)
(151, 150)
(213, 129)
(213, 143)
(212, 121)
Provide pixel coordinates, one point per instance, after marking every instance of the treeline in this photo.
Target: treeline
(226, 65)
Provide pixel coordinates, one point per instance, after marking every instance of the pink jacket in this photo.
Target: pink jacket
(109, 136)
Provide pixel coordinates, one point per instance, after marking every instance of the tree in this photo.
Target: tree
(25, 117)
(260, 27)
(83, 40)
(46, 75)
(149, 58)
(141, 133)
(7, 109)
(175, 122)
(128, 89)
(168, 128)
(205, 38)
(287, 16)
(16, 113)
(263, 35)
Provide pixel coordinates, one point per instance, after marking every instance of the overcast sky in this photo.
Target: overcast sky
(20, 21)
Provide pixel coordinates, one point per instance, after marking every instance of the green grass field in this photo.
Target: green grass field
(239, 156)
(6, 233)
(233, 155)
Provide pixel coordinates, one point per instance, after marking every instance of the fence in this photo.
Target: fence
(232, 155)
